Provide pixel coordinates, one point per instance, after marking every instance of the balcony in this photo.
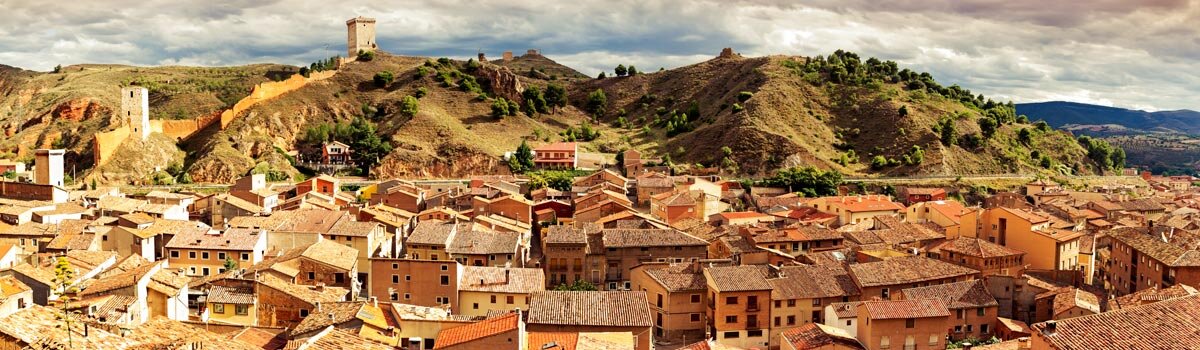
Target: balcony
(752, 323)
(752, 307)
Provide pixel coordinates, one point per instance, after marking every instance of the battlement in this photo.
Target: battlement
(360, 35)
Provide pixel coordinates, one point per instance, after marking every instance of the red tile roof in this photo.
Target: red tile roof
(475, 331)
(818, 336)
(1170, 324)
(913, 308)
(602, 309)
(557, 146)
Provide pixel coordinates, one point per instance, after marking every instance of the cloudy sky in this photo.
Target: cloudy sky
(1136, 54)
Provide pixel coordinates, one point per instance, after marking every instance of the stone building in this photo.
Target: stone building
(135, 108)
(360, 35)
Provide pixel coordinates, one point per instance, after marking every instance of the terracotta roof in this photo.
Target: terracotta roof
(337, 339)
(957, 295)
(976, 247)
(911, 308)
(811, 282)
(479, 242)
(1170, 254)
(1067, 298)
(118, 281)
(347, 227)
(431, 232)
(72, 242)
(10, 286)
(329, 314)
(1170, 324)
(260, 338)
(501, 279)
(739, 278)
(924, 191)
(39, 326)
(626, 238)
(476, 331)
(677, 198)
(309, 294)
(564, 340)
(860, 204)
(557, 146)
(655, 182)
(610, 308)
(164, 333)
(905, 270)
(845, 310)
(232, 239)
(677, 277)
(1152, 295)
(230, 295)
(819, 336)
(570, 234)
(1026, 215)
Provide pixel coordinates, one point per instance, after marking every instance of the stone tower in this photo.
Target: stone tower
(135, 108)
(48, 167)
(360, 35)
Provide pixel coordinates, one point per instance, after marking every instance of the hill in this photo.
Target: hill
(437, 118)
(1059, 113)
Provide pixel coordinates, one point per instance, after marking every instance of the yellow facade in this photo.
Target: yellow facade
(478, 303)
(228, 313)
(1045, 248)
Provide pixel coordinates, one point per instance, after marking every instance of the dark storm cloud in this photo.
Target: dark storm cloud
(1140, 54)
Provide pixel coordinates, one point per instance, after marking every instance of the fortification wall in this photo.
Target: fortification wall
(106, 143)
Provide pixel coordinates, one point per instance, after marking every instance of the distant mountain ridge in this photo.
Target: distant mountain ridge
(1059, 113)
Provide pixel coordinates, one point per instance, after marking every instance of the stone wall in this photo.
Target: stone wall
(106, 143)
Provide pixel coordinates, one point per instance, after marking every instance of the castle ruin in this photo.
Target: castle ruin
(360, 35)
(135, 108)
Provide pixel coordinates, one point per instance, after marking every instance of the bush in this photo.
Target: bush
(620, 70)
(987, 126)
(1025, 136)
(409, 106)
(737, 107)
(366, 55)
(499, 108)
(382, 79)
(878, 162)
(633, 71)
(903, 111)
(421, 92)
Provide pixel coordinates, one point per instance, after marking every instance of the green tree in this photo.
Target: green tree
(949, 136)
(535, 102)
(808, 181)
(382, 79)
(421, 91)
(409, 105)
(522, 160)
(632, 70)
(58, 69)
(596, 103)
(556, 96)
(1025, 136)
(499, 108)
(879, 162)
(578, 286)
(230, 264)
(601, 76)
(621, 70)
(987, 126)
(368, 147)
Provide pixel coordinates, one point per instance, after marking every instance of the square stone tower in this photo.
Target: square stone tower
(360, 35)
(135, 108)
(48, 167)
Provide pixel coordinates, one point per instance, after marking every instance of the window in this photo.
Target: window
(241, 309)
(754, 333)
(983, 328)
(910, 323)
(205, 270)
(475, 306)
(778, 303)
(444, 267)
(303, 313)
(791, 303)
(885, 343)
(445, 280)
(394, 296)
(731, 319)
(934, 339)
(959, 314)
(204, 255)
(395, 279)
(969, 328)
(395, 266)
(695, 317)
(175, 254)
(957, 329)
(191, 255)
(731, 300)
(816, 316)
(816, 302)
(339, 278)
(508, 299)
(979, 312)
(791, 320)
(221, 256)
(493, 299)
(732, 335)
(777, 323)
(407, 296)
(245, 256)
(885, 294)
(695, 298)
(312, 275)
(219, 308)
(408, 277)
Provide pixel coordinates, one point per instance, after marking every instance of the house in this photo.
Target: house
(884, 278)
(484, 248)
(335, 153)
(913, 195)
(323, 184)
(499, 333)
(285, 304)
(610, 311)
(950, 215)
(1065, 302)
(1143, 258)
(740, 218)
(233, 304)
(322, 263)
(843, 316)
(430, 283)
(9, 255)
(363, 319)
(855, 209)
(1169, 324)
(145, 236)
(484, 289)
(226, 206)
(676, 294)
(399, 194)
(816, 336)
(133, 284)
(800, 294)
(739, 300)
(1049, 243)
(561, 155)
(650, 185)
(14, 296)
(604, 176)
(677, 206)
(1150, 296)
(511, 206)
(906, 324)
(604, 257)
(977, 254)
(973, 309)
(253, 189)
(205, 253)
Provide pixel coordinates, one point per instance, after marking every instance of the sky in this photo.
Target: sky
(1131, 54)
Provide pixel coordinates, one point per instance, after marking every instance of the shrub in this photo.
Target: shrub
(382, 79)
(633, 71)
(737, 107)
(596, 102)
(499, 108)
(409, 105)
(620, 70)
(878, 162)
(366, 55)
(421, 92)
(987, 126)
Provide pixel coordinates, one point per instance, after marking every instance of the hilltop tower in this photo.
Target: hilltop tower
(48, 167)
(135, 108)
(360, 35)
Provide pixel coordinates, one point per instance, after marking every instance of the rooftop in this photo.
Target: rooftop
(475, 331)
(911, 308)
(1169, 324)
(610, 308)
(905, 270)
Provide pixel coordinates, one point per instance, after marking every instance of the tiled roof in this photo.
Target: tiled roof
(557, 146)
(845, 310)
(737, 244)
(137, 218)
(476, 331)
(810, 282)
(432, 232)
(1067, 298)
(677, 198)
(1170, 324)
(1175, 254)
(678, 277)
(976, 247)
(230, 295)
(819, 336)
(261, 339)
(38, 326)
(118, 281)
(924, 191)
(72, 242)
(858, 204)
(339, 339)
(480, 242)
(164, 333)
(905, 270)
(570, 234)
(957, 295)
(626, 238)
(610, 308)
(1152, 295)
(329, 314)
(911, 308)
(10, 286)
(346, 227)
(243, 239)
(501, 279)
(738, 278)
(310, 294)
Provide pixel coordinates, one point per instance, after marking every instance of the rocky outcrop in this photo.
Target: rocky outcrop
(452, 161)
(502, 81)
(78, 110)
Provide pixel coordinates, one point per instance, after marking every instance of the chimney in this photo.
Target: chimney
(1051, 327)
(374, 301)
(1024, 343)
(319, 287)
(318, 306)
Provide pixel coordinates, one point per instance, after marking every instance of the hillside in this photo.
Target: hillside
(1059, 113)
(770, 112)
